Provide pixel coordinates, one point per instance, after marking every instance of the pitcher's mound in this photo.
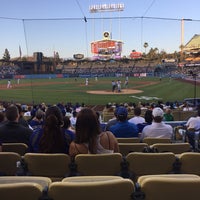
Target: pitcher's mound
(123, 91)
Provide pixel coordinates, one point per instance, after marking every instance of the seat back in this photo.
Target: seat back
(165, 188)
(54, 166)
(129, 140)
(98, 164)
(190, 163)
(90, 178)
(43, 181)
(8, 163)
(150, 163)
(117, 189)
(176, 148)
(19, 148)
(185, 115)
(20, 191)
(151, 141)
(126, 148)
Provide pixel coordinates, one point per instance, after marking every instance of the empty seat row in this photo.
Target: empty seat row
(176, 148)
(134, 165)
(150, 187)
(76, 188)
(147, 140)
(165, 187)
(126, 145)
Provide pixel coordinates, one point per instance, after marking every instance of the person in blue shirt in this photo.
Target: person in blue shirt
(69, 133)
(123, 128)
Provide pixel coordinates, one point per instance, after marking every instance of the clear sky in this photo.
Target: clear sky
(64, 30)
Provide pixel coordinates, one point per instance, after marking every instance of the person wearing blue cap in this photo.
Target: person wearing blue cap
(123, 128)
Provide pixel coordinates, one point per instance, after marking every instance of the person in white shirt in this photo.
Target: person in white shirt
(137, 119)
(73, 119)
(193, 127)
(158, 129)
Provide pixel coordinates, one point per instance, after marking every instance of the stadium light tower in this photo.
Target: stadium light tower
(182, 33)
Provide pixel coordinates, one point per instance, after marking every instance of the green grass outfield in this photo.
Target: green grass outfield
(52, 91)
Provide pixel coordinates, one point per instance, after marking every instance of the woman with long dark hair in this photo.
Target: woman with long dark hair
(89, 138)
(51, 137)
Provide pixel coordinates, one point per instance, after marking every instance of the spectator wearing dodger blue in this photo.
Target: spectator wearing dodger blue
(123, 128)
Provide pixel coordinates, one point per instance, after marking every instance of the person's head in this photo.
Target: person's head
(87, 128)
(52, 140)
(157, 114)
(54, 115)
(12, 113)
(168, 111)
(67, 122)
(19, 107)
(137, 111)
(122, 113)
(148, 116)
(74, 114)
(39, 114)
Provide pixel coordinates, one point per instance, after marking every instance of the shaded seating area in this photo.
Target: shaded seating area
(19, 148)
(126, 148)
(176, 148)
(151, 141)
(151, 176)
(98, 164)
(98, 189)
(54, 166)
(8, 163)
(190, 163)
(167, 187)
(129, 140)
(148, 187)
(140, 164)
(21, 191)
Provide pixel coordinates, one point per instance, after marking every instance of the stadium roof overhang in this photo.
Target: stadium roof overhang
(193, 45)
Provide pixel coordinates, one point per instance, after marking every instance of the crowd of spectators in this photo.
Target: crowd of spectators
(7, 71)
(108, 68)
(74, 128)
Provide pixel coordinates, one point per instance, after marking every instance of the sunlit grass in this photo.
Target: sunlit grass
(52, 91)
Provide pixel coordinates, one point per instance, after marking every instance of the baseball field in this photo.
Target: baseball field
(97, 92)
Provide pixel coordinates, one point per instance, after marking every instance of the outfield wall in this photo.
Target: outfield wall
(86, 75)
(40, 76)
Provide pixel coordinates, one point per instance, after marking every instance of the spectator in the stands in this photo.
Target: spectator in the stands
(27, 111)
(112, 121)
(38, 120)
(51, 137)
(158, 129)
(148, 120)
(89, 138)
(11, 130)
(73, 118)
(168, 116)
(137, 119)
(68, 129)
(123, 128)
(193, 127)
(21, 120)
